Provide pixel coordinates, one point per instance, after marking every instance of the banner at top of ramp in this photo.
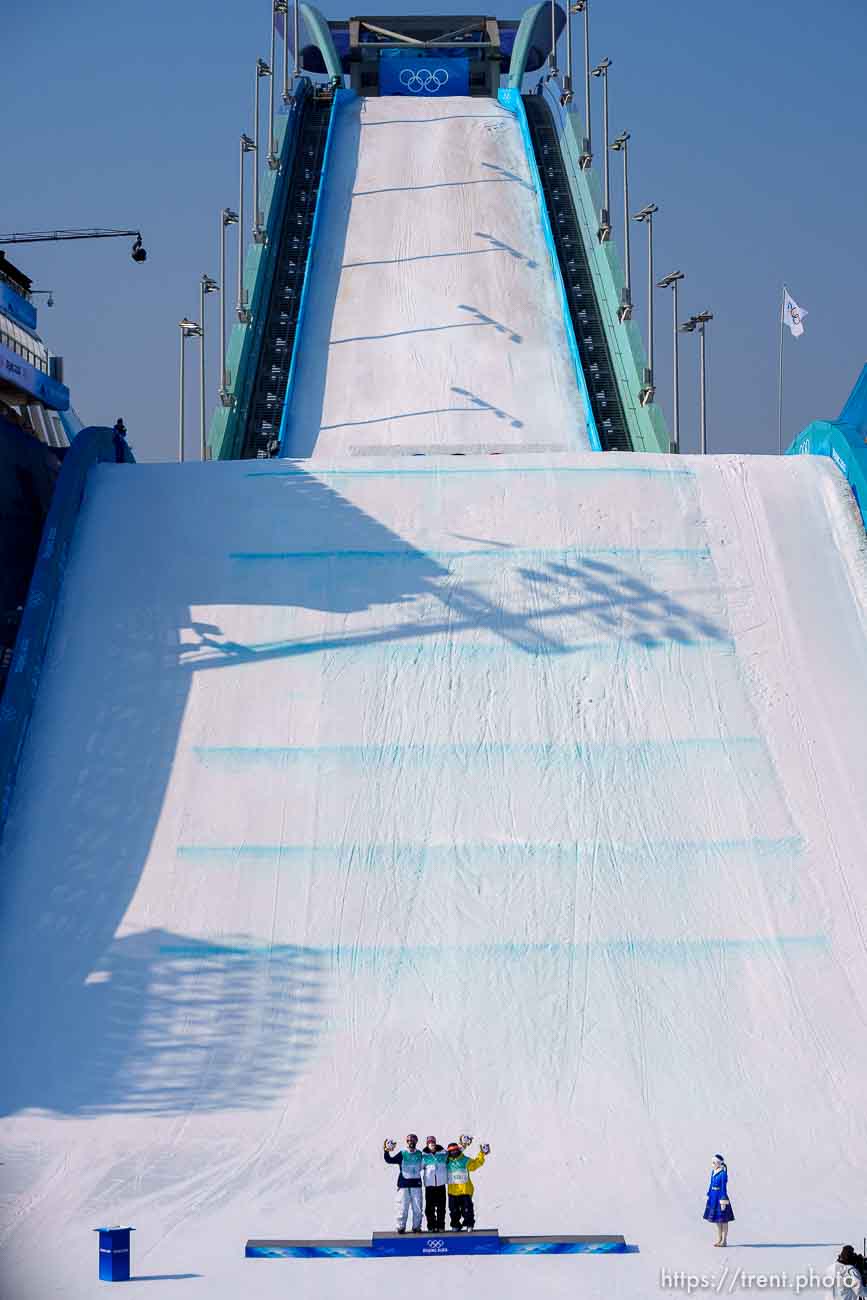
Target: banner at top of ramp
(402, 72)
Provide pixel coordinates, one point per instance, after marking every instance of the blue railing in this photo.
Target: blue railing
(646, 424)
(341, 97)
(260, 260)
(511, 99)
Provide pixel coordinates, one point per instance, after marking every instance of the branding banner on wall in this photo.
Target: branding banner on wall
(17, 307)
(19, 373)
(403, 73)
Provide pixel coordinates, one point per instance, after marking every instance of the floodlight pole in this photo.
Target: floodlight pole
(694, 323)
(227, 218)
(586, 158)
(273, 160)
(604, 231)
(703, 319)
(262, 70)
(646, 215)
(247, 146)
(671, 281)
(206, 286)
(552, 58)
(282, 7)
(189, 329)
(624, 311)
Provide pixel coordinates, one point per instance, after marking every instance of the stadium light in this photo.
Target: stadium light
(189, 329)
(671, 281)
(282, 7)
(698, 323)
(206, 285)
(604, 231)
(247, 146)
(138, 252)
(227, 218)
(624, 311)
(586, 158)
(262, 70)
(553, 71)
(646, 215)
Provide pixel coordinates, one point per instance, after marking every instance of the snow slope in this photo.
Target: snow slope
(520, 796)
(433, 317)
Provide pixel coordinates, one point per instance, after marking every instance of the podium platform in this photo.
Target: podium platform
(481, 1241)
(396, 1245)
(565, 1246)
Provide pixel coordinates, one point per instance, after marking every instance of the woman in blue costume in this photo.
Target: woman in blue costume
(718, 1209)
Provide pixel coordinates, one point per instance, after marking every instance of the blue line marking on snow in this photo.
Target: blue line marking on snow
(546, 753)
(421, 857)
(499, 552)
(388, 645)
(658, 950)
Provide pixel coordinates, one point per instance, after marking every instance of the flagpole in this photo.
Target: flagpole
(780, 382)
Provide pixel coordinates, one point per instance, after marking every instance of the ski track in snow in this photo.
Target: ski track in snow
(520, 796)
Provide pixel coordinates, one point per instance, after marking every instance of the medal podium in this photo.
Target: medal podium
(400, 1245)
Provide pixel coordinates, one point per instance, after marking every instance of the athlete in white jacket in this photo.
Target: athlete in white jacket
(435, 1176)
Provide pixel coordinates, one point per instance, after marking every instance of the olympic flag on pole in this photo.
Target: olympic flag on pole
(793, 315)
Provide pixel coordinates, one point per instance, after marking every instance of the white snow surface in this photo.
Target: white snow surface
(433, 319)
(520, 796)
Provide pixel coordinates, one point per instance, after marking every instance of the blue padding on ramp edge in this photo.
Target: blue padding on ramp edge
(340, 97)
(844, 440)
(393, 1245)
(511, 100)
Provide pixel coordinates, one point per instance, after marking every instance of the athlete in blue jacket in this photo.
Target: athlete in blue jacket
(408, 1180)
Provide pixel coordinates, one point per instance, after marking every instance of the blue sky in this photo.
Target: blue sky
(747, 122)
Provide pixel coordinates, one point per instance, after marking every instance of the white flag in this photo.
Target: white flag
(793, 315)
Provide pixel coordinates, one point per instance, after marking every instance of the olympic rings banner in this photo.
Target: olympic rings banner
(403, 73)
